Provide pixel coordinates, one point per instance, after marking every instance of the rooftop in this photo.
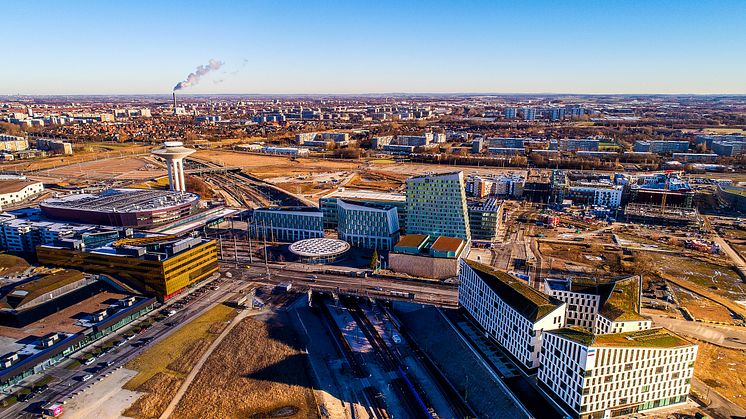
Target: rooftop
(651, 338)
(121, 200)
(528, 302)
(447, 244)
(14, 185)
(356, 194)
(412, 240)
(34, 288)
(319, 247)
(623, 303)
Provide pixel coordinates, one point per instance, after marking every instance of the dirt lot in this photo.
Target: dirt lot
(257, 371)
(125, 168)
(570, 256)
(722, 369)
(80, 156)
(161, 368)
(265, 166)
(718, 278)
(702, 308)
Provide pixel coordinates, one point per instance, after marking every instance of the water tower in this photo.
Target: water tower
(174, 152)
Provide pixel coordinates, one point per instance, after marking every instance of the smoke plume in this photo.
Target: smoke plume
(193, 78)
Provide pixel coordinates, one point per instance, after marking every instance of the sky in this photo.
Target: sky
(376, 46)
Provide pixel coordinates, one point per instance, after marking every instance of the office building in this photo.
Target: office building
(381, 200)
(601, 307)
(366, 226)
(512, 313)
(158, 265)
(602, 376)
(436, 206)
(485, 219)
(287, 224)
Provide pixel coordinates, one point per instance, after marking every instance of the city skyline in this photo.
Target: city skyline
(338, 48)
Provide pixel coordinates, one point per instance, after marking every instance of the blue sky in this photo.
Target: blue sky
(107, 47)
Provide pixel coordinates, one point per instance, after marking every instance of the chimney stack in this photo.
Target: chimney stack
(174, 101)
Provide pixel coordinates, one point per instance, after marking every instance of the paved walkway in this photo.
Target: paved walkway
(729, 337)
(193, 373)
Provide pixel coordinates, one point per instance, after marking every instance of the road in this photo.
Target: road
(68, 382)
(729, 337)
(373, 287)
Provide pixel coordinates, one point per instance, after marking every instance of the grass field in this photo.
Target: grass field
(722, 369)
(702, 308)
(257, 371)
(162, 368)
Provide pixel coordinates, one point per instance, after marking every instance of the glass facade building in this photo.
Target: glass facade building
(436, 206)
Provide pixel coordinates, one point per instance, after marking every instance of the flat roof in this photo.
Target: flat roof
(447, 244)
(319, 247)
(34, 288)
(412, 240)
(365, 195)
(528, 302)
(651, 338)
(14, 185)
(121, 200)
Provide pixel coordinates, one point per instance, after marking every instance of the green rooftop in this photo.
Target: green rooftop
(623, 303)
(528, 302)
(651, 338)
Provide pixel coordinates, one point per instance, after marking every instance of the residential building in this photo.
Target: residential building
(695, 157)
(661, 146)
(367, 226)
(510, 113)
(602, 376)
(436, 206)
(13, 143)
(55, 146)
(728, 148)
(512, 313)
(579, 144)
(287, 224)
(321, 139)
(596, 193)
(529, 114)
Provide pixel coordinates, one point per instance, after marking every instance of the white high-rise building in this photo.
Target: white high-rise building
(174, 152)
(602, 376)
(512, 313)
(436, 206)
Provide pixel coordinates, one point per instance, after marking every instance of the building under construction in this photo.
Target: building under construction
(663, 215)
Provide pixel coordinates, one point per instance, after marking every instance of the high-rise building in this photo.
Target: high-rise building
(600, 376)
(436, 206)
(367, 226)
(512, 313)
(287, 224)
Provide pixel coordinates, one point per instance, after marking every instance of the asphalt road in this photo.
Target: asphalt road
(68, 382)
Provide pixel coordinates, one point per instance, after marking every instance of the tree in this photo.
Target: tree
(374, 260)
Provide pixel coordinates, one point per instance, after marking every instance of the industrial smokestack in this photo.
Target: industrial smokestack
(193, 78)
(174, 101)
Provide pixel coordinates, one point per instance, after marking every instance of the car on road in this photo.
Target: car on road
(85, 378)
(40, 389)
(376, 288)
(312, 277)
(90, 360)
(25, 397)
